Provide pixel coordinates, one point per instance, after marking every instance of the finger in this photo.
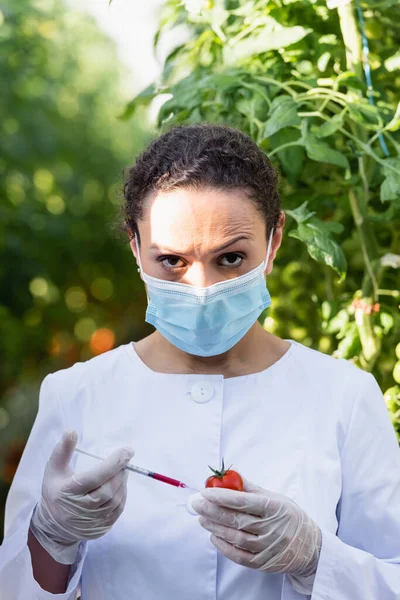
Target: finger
(106, 492)
(119, 494)
(249, 502)
(241, 557)
(82, 483)
(117, 510)
(112, 509)
(249, 486)
(240, 539)
(63, 451)
(228, 517)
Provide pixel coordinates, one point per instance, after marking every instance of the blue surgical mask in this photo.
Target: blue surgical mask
(206, 321)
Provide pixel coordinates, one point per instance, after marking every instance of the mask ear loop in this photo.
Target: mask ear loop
(271, 235)
(140, 268)
(138, 253)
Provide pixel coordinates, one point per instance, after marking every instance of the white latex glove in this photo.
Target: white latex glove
(263, 530)
(78, 506)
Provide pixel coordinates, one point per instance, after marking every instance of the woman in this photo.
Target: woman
(319, 515)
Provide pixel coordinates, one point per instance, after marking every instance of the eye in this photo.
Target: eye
(173, 262)
(232, 257)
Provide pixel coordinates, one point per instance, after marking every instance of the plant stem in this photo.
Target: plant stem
(367, 242)
(364, 146)
(283, 146)
(327, 92)
(279, 84)
(351, 38)
(359, 201)
(363, 178)
(394, 293)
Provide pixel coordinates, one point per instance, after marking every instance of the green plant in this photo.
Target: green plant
(290, 75)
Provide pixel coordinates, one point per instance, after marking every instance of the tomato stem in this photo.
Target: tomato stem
(221, 473)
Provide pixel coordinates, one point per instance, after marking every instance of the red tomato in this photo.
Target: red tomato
(225, 479)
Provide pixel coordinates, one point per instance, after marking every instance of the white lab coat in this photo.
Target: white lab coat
(310, 426)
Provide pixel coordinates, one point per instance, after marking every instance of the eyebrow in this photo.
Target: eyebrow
(214, 251)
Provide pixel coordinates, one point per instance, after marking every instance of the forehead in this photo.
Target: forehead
(198, 215)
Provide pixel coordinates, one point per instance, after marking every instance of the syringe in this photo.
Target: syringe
(146, 472)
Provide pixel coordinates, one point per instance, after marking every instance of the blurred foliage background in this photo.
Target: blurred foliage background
(68, 288)
(278, 70)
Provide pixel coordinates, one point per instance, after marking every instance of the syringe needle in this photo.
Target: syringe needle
(142, 471)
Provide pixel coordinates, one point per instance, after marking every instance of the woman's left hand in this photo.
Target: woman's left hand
(261, 529)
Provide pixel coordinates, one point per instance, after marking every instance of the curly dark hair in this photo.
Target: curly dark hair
(200, 156)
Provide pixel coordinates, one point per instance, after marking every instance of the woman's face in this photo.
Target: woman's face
(201, 237)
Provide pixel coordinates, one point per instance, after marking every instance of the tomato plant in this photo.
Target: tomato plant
(296, 92)
(291, 75)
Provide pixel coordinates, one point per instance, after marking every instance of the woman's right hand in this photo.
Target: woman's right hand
(78, 506)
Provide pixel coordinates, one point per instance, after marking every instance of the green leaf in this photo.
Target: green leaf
(304, 128)
(387, 321)
(330, 39)
(292, 157)
(283, 113)
(394, 124)
(195, 116)
(350, 344)
(321, 246)
(323, 60)
(350, 79)
(330, 127)
(332, 226)
(338, 322)
(193, 7)
(219, 16)
(244, 10)
(301, 213)
(246, 106)
(273, 36)
(326, 311)
(393, 62)
(226, 80)
(142, 99)
(392, 213)
(390, 188)
(321, 152)
(364, 112)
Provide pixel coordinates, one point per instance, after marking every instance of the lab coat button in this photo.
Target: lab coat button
(202, 391)
(192, 497)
